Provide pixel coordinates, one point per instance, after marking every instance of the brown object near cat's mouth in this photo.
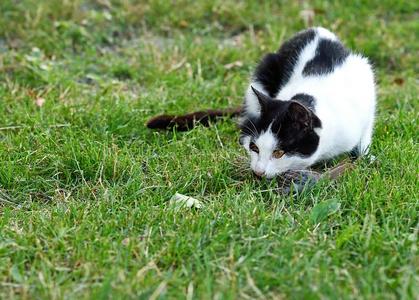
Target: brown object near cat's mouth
(298, 180)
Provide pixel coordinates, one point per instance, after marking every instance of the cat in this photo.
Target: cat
(310, 101)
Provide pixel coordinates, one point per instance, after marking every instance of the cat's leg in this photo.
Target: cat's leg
(363, 147)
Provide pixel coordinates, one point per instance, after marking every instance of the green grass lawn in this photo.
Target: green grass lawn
(85, 187)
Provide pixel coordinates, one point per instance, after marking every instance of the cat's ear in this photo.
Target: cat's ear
(301, 115)
(263, 99)
(315, 121)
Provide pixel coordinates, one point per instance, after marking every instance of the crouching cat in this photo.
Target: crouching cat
(310, 101)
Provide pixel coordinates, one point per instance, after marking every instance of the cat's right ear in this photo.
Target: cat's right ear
(262, 98)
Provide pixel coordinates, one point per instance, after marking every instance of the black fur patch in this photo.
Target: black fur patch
(354, 153)
(306, 100)
(329, 54)
(275, 69)
(292, 124)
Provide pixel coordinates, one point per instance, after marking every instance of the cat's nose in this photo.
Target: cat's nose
(259, 173)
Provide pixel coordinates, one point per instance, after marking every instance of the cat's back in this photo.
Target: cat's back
(312, 61)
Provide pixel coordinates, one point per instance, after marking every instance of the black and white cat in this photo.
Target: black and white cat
(310, 101)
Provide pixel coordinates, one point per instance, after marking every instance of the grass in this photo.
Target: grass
(85, 186)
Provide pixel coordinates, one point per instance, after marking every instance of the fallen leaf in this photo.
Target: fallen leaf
(40, 102)
(185, 201)
(177, 65)
(398, 81)
(308, 16)
(105, 3)
(324, 209)
(183, 24)
(319, 11)
(235, 64)
(77, 264)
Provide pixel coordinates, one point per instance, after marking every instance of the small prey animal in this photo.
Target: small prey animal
(310, 101)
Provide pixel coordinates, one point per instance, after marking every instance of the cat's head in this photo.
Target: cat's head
(278, 135)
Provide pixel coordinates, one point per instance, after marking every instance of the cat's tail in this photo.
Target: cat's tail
(188, 121)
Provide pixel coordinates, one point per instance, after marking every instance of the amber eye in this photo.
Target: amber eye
(253, 147)
(278, 153)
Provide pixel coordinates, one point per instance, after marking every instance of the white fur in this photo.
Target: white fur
(345, 104)
(252, 103)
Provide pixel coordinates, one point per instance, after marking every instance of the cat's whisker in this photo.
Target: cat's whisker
(254, 126)
(253, 133)
(279, 129)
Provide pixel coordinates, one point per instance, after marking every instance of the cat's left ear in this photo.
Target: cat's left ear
(300, 114)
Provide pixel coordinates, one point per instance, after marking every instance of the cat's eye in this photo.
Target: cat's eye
(253, 147)
(278, 153)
